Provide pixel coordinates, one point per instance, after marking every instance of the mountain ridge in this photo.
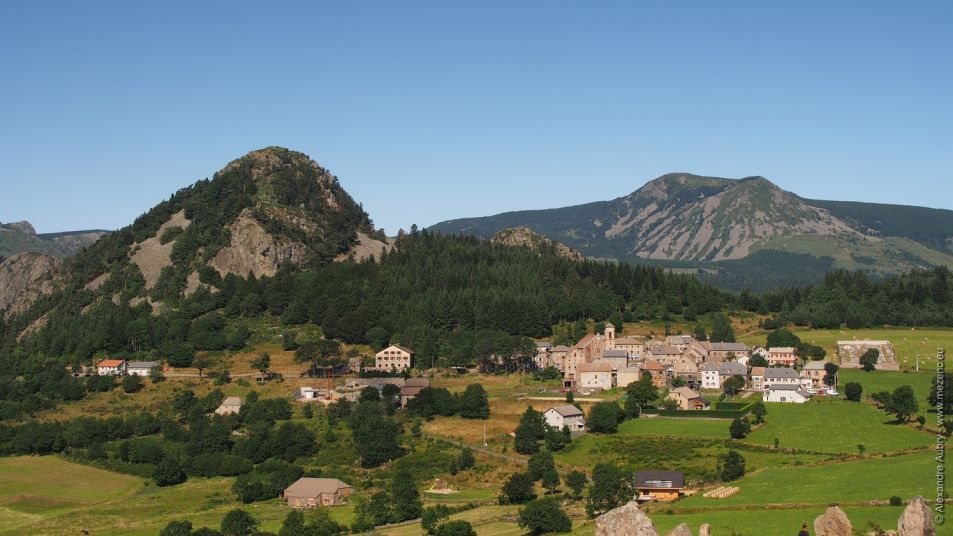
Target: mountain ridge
(680, 218)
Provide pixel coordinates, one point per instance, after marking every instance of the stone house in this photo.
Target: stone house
(782, 356)
(757, 377)
(595, 375)
(314, 492)
(688, 399)
(780, 376)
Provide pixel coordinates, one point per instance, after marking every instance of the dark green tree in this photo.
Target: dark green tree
(576, 481)
(731, 466)
(869, 359)
(168, 472)
(530, 431)
(474, 403)
(539, 463)
(604, 418)
(405, 496)
(610, 489)
(739, 428)
(543, 516)
(518, 489)
(239, 523)
(903, 403)
(759, 410)
(853, 391)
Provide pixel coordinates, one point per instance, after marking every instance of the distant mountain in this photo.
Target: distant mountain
(721, 225)
(20, 236)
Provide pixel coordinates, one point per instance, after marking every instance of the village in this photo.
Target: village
(692, 375)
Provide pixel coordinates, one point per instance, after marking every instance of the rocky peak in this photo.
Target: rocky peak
(24, 277)
(526, 237)
(24, 227)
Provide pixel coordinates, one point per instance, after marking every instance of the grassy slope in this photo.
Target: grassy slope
(661, 426)
(776, 522)
(819, 485)
(836, 426)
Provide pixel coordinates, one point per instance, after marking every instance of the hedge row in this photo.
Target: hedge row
(709, 414)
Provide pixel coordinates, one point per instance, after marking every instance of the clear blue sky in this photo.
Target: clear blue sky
(436, 110)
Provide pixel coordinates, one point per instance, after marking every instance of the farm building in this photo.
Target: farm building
(230, 405)
(140, 368)
(312, 492)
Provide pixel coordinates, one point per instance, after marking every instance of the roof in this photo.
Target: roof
(232, 401)
(142, 364)
(731, 368)
(544, 344)
(685, 392)
(865, 342)
(312, 487)
(814, 365)
(411, 390)
(651, 364)
(665, 350)
(595, 366)
(729, 347)
(614, 353)
(111, 363)
(583, 342)
(784, 387)
(567, 410)
(408, 350)
(630, 370)
(679, 339)
(782, 349)
(561, 348)
(659, 479)
(629, 340)
(780, 372)
(757, 371)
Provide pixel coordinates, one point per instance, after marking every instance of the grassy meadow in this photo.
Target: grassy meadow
(836, 426)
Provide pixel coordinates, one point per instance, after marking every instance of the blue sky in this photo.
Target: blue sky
(436, 110)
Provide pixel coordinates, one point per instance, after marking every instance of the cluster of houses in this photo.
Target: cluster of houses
(121, 367)
(604, 361)
(351, 390)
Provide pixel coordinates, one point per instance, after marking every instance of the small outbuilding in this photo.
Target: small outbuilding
(230, 405)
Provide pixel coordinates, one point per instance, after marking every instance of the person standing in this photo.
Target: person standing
(804, 531)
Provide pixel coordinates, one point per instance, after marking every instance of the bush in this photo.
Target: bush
(739, 428)
(542, 516)
(731, 466)
(455, 528)
(168, 472)
(604, 418)
(896, 501)
(853, 391)
(131, 383)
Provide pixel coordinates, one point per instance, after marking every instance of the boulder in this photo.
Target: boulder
(916, 519)
(626, 520)
(681, 530)
(833, 522)
(704, 530)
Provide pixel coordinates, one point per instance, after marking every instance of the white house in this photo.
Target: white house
(567, 415)
(786, 393)
(780, 376)
(140, 368)
(111, 367)
(713, 374)
(393, 358)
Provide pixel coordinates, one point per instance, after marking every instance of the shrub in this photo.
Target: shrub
(604, 418)
(896, 501)
(518, 489)
(542, 516)
(853, 391)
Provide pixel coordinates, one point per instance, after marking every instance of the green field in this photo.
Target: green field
(774, 522)
(907, 342)
(849, 482)
(676, 427)
(835, 426)
(886, 380)
(49, 495)
(32, 488)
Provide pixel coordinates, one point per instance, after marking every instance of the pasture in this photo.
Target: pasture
(676, 427)
(835, 426)
(818, 485)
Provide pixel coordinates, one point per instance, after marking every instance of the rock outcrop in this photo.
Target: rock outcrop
(626, 520)
(526, 237)
(704, 530)
(253, 250)
(23, 278)
(833, 522)
(916, 520)
(681, 530)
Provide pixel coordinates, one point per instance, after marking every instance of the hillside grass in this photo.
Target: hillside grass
(676, 427)
(835, 426)
(888, 380)
(778, 522)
